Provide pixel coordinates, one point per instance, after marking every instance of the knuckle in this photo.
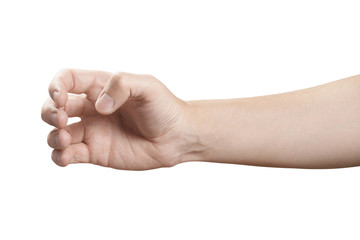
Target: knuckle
(62, 74)
(64, 71)
(119, 74)
(61, 77)
(119, 81)
(153, 80)
(149, 77)
(149, 82)
(152, 83)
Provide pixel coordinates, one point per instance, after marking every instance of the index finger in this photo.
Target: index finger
(77, 81)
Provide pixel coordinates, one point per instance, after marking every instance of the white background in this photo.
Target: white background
(199, 49)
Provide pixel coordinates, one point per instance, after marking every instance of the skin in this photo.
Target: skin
(133, 122)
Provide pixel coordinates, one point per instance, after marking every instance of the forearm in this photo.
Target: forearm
(318, 127)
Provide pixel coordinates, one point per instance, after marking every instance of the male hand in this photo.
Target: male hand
(128, 121)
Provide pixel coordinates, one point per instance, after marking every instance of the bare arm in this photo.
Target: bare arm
(132, 121)
(318, 127)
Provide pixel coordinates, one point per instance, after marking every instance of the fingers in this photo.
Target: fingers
(122, 86)
(61, 139)
(75, 153)
(76, 81)
(52, 115)
(76, 106)
(68, 145)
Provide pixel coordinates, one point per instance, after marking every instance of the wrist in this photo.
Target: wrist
(194, 147)
(214, 131)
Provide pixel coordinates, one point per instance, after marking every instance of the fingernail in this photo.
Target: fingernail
(106, 103)
(55, 95)
(57, 157)
(57, 141)
(54, 119)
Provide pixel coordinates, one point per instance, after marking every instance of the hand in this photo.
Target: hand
(128, 121)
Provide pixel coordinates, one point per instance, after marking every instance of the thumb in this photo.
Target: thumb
(122, 86)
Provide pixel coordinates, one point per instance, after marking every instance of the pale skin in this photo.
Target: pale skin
(133, 122)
